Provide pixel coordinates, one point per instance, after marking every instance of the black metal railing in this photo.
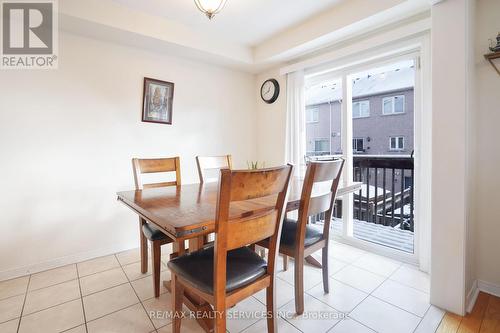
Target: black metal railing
(387, 194)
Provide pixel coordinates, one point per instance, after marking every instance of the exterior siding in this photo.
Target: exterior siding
(375, 129)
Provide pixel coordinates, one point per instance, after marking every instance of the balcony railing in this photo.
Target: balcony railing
(387, 194)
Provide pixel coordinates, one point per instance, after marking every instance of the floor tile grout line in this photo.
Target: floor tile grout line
(114, 286)
(363, 269)
(78, 277)
(389, 278)
(104, 270)
(283, 280)
(52, 285)
(24, 303)
(135, 292)
(293, 300)
(407, 285)
(50, 307)
(81, 299)
(364, 299)
(367, 294)
(71, 328)
(425, 314)
(320, 300)
(285, 319)
(105, 289)
(112, 312)
(397, 306)
(74, 299)
(16, 295)
(370, 328)
(371, 294)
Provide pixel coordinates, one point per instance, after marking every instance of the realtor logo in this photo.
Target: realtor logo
(29, 34)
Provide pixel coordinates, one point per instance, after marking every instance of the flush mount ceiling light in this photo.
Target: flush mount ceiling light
(210, 7)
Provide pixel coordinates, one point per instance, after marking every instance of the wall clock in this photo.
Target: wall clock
(269, 91)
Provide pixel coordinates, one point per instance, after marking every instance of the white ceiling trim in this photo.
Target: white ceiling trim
(404, 32)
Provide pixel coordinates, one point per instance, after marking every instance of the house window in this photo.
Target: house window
(408, 182)
(322, 146)
(361, 109)
(393, 104)
(312, 115)
(396, 143)
(358, 145)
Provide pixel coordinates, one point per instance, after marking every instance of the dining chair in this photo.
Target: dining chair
(148, 230)
(299, 239)
(250, 207)
(206, 163)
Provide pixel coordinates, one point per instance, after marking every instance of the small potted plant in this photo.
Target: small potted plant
(255, 165)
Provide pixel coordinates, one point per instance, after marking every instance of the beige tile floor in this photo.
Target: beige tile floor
(109, 294)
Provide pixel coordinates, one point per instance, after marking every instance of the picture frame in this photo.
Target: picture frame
(157, 101)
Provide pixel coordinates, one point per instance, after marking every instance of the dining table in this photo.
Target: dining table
(186, 213)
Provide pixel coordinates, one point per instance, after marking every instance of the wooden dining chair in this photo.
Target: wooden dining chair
(148, 230)
(206, 163)
(230, 271)
(300, 239)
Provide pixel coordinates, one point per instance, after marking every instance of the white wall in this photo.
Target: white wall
(451, 105)
(271, 120)
(67, 137)
(487, 210)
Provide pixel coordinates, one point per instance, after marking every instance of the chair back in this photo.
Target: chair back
(319, 192)
(260, 196)
(156, 165)
(206, 163)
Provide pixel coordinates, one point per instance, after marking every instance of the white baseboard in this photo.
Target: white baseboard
(489, 288)
(471, 297)
(43, 266)
(477, 286)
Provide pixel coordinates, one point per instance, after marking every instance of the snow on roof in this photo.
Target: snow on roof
(389, 78)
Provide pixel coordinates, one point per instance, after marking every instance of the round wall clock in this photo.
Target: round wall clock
(269, 91)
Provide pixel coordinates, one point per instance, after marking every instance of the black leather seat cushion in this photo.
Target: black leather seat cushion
(289, 230)
(243, 267)
(152, 233)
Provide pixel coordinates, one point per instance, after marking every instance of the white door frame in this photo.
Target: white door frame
(419, 50)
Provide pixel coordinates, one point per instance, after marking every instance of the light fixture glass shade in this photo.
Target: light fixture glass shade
(210, 7)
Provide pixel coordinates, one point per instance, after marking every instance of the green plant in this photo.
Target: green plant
(255, 165)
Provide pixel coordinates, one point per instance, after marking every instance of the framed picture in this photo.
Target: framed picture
(158, 97)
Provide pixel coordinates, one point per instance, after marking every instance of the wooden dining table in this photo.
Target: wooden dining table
(187, 213)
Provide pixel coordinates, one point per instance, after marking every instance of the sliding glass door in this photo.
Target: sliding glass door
(366, 114)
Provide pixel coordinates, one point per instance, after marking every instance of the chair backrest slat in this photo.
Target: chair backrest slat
(246, 185)
(205, 163)
(249, 231)
(156, 165)
(326, 170)
(318, 174)
(319, 204)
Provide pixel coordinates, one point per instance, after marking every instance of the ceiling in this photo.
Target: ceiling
(248, 22)
(250, 35)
